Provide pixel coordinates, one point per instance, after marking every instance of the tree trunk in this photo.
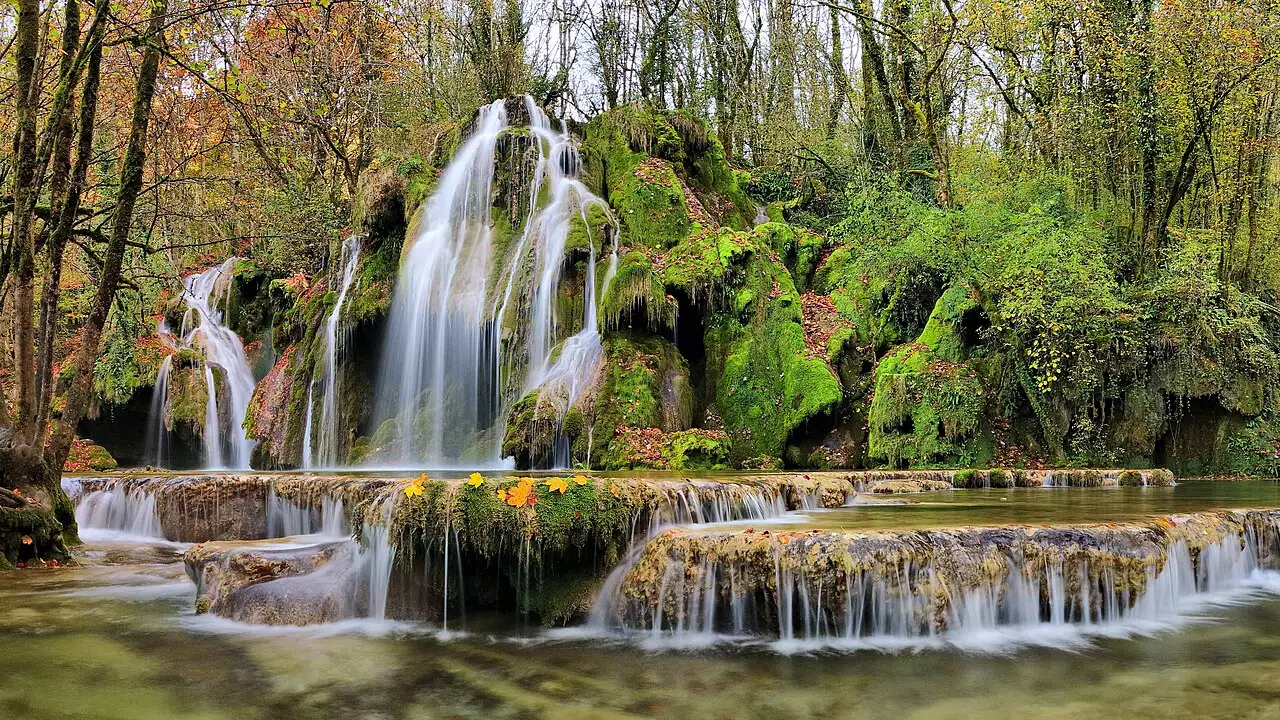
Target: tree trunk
(131, 172)
(26, 49)
(64, 221)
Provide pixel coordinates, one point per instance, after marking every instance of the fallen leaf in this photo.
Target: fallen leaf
(615, 490)
(557, 485)
(581, 479)
(502, 496)
(26, 539)
(412, 490)
(476, 480)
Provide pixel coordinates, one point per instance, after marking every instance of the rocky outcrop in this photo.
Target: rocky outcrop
(266, 584)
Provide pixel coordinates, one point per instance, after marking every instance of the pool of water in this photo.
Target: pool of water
(117, 638)
(119, 641)
(1036, 506)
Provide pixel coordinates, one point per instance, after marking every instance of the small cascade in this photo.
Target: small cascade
(326, 453)
(157, 449)
(118, 513)
(378, 557)
(286, 518)
(904, 589)
(452, 351)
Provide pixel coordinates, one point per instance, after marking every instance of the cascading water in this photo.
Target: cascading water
(117, 513)
(225, 442)
(459, 348)
(222, 350)
(286, 518)
(157, 434)
(899, 591)
(326, 454)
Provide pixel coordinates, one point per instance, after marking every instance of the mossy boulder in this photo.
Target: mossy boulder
(87, 455)
(664, 173)
(925, 410)
(927, 403)
(765, 382)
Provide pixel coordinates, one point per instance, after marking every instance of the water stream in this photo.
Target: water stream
(1148, 654)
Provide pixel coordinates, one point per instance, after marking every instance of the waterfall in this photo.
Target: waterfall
(157, 434)
(203, 327)
(326, 455)
(119, 513)
(473, 321)
(286, 518)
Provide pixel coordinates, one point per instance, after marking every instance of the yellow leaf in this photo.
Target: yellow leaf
(502, 496)
(476, 480)
(581, 479)
(521, 495)
(413, 489)
(617, 492)
(558, 485)
(526, 482)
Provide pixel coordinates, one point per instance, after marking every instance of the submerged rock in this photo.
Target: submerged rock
(270, 585)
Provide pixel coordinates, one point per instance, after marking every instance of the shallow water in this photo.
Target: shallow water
(117, 638)
(120, 642)
(1035, 506)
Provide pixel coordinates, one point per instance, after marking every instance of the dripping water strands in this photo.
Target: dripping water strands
(473, 323)
(325, 453)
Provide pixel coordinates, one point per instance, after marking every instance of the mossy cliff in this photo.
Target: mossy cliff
(757, 319)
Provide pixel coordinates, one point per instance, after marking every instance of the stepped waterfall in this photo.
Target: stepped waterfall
(474, 321)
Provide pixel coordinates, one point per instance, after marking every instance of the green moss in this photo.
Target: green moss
(586, 528)
(927, 404)
(1130, 478)
(697, 450)
(37, 524)
(925, 411)
(645, 385)
(765, 384)
(941, 332)
(967, 479)
(188, 396)
(998, 478)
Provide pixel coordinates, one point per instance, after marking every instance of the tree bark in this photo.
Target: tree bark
(26, 49)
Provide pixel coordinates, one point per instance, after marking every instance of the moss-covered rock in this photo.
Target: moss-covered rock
(927, 404)
(765, 382)
(87, 455)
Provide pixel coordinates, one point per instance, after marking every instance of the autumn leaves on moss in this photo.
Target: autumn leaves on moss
(558, 517)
